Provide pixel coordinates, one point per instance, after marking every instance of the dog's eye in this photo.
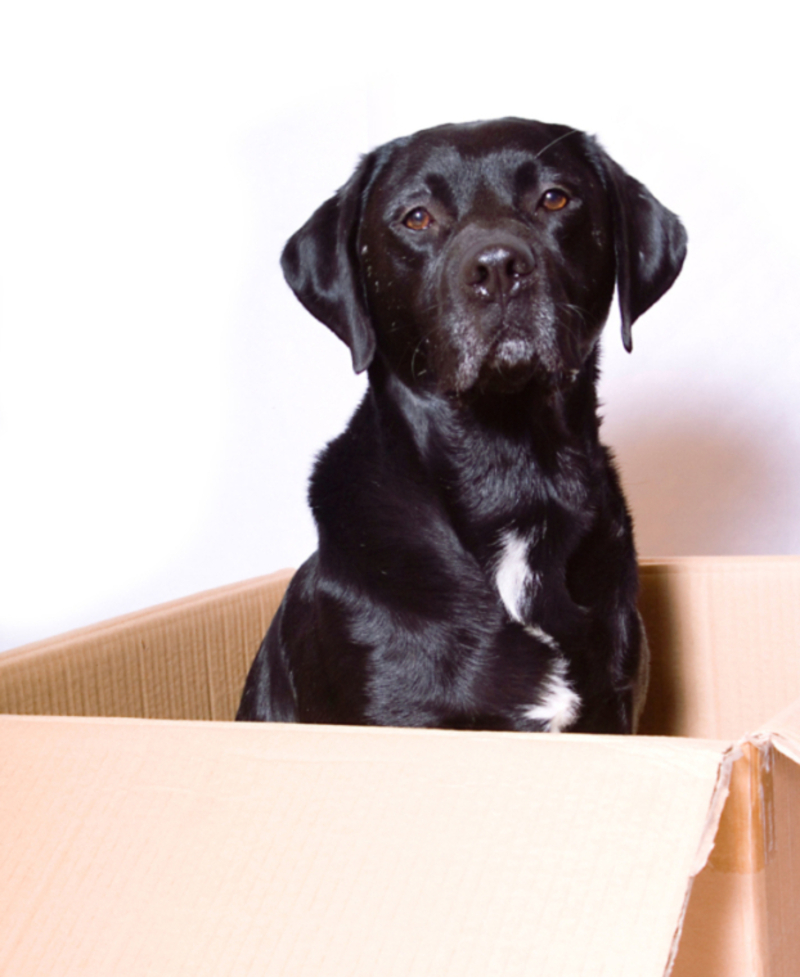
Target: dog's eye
(418, 219)
(554, 200)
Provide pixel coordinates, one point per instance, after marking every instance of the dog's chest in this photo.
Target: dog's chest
(556, 705)
(523, 520)
(514, 577)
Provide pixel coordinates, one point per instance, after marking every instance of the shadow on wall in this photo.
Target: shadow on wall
(701, 486)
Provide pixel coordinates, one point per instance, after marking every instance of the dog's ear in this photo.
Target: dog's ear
(649, 242)
(321, 266)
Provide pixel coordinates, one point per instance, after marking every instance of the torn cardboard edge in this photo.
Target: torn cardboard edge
(708, 839)
(741, 917)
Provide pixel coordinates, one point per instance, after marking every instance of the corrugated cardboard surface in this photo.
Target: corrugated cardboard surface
(783, 873)
(152, 847)
(182, 660)
(785, 730)
(168, 849)
(726, 639)
(743, 918)
(725, 636)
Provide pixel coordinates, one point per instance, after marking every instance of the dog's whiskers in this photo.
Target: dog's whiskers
(418, 347)
(414, 355)
(556, 140)
(579, 313)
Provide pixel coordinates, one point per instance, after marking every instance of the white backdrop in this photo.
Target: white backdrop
(162, 394)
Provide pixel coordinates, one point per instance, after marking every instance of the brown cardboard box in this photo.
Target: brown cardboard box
(144, 840)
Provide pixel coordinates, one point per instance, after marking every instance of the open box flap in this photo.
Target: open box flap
(781, 918)
(137, 846)
(185, 659)
(743, 916)
(725, 637)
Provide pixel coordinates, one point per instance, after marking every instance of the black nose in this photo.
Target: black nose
(499, 271)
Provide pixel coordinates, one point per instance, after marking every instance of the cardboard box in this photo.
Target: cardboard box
(144, 840)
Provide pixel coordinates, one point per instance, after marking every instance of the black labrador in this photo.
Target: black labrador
(476, 566)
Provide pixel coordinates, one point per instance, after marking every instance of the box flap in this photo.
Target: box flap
(183, 660)
(142, 847)
(725, 637)
(782, 876)
(784, 730)
(743, 917)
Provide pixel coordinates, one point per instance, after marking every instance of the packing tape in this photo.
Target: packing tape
(745, 840)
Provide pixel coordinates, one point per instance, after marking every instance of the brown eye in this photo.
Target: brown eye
(418, 219)
(555, 200)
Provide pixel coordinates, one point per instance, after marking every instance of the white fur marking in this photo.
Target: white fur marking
(513, 573)
(547, 639)
(559, 705)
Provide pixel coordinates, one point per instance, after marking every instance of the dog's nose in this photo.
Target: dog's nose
(499, 271)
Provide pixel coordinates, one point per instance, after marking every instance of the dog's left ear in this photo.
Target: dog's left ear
(649, 241)
(321, 267)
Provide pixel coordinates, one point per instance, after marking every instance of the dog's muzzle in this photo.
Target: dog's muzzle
(497, 333)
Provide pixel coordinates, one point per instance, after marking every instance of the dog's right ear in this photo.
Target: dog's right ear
(321, 266)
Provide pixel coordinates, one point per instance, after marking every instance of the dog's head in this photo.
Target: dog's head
(484, 256)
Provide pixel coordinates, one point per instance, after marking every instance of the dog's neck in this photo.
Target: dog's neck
(531, 419)
(542, 446)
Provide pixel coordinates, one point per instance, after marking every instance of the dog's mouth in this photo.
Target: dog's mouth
(513, 358)
(509, 379)
(501, 374)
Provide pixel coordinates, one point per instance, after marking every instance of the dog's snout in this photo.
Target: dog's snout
(498, 271)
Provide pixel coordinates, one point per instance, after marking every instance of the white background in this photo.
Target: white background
(162, 394)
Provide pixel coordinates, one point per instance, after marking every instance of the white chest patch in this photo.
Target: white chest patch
(559, 705)
(513, 576)
(516, 584)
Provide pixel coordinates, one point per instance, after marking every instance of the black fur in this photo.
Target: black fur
(470, 269)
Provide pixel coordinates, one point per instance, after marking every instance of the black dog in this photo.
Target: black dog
(476, 566)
